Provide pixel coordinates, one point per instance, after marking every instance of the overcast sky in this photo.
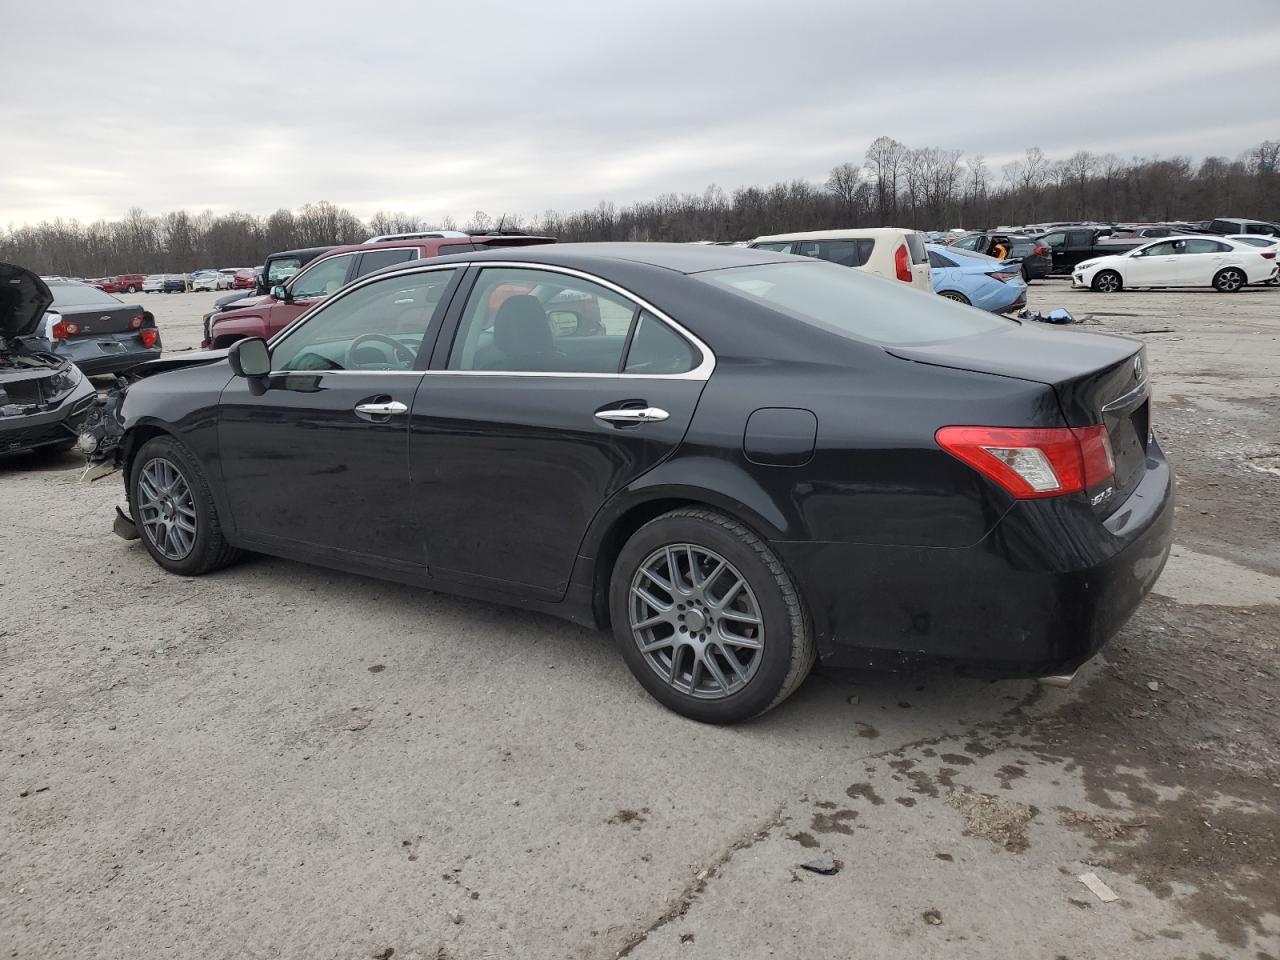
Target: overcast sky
(445, 108)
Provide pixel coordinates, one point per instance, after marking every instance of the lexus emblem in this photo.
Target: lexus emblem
(1137, 368)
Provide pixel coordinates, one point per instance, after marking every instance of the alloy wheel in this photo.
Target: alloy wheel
(166, 509)
(696, 621)
(1108, 283)
(1230, 281)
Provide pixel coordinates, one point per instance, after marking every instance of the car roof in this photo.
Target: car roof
(677, 257)
(302, 252)
(853, 233)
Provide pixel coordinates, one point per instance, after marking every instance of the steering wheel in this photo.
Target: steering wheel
(399, 350)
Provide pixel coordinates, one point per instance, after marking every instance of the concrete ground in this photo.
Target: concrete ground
(282, 761)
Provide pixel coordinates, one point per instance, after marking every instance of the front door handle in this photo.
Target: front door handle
(636, 415)
(381, 409)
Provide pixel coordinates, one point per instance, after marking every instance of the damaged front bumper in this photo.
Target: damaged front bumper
(101, 434)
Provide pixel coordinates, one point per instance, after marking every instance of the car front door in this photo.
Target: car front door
(318, 461)
(1156, 265)
(554, 391)
(308, 287)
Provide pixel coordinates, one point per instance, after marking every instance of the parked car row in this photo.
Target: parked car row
(1225, 264)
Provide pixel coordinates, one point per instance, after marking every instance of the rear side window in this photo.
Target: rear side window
(1226, 226)
(281, 269)
(1263, 228)
(939, 261)
(656, 348)
(1207, 246)
(448, 248)
(915, 244)
(847, 253)
(773, 246)
(377, 259)
(852, 304)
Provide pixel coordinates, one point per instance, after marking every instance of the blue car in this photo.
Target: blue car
(975, 278)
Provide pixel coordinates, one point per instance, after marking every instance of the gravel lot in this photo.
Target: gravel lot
(283, 761)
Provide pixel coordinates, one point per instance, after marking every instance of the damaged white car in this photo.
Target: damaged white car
(43, 398)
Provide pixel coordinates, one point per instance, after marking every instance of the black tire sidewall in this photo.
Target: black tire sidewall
(173, 451)
(763, 689)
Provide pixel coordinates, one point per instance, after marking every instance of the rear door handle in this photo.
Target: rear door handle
(635, 415)
(381, 409)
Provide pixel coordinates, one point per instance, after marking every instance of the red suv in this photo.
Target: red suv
(267, 315)
(129, 283)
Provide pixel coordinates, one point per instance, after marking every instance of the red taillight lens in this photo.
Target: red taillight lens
(1042, 251)
(1002, 277)
(1268, 254)
(60, 330)
(148, 338)
(902, 263)
(137, 321)
(1034, 463)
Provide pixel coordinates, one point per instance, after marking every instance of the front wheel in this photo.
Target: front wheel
(131, 289)
(1108, 281)
(174, 512)
(1229, 280)
(707, 618)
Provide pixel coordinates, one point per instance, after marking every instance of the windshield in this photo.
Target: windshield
(852, 303)
(79, 295)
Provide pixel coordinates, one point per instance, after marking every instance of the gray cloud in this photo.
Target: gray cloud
(445, 108)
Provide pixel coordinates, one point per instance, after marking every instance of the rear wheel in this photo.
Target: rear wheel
(174, 512)
(1229, 280)
(954, 295)
(707, 618)
(1108, 281)
(131, 289)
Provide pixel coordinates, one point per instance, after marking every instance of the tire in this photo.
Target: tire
(767, 674)
(1108, 281)
(131, 289)
(1230, 280)
(954, 295)
(207, 549)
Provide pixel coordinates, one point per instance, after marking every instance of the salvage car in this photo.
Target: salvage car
(99, 333)
(154, 283)
(1225, 265)
(890, 252)
(974, 278)
(1035, 257)
(754, 461)
(43, 397)
(210, 280)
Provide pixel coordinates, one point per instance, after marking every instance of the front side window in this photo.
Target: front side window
(525, 320)
(1055, 240)
(852, 304)
(967, 243)
(322, 278)
(1264, 228)
(380, 326)
(1166, 248)
(773, 246)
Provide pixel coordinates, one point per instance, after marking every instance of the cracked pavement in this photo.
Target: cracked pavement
(216, 767)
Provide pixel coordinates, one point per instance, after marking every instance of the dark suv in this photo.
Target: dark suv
(266, 315)
(1036, 257)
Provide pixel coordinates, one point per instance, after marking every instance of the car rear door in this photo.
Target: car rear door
(550, 390)
(1201, 260)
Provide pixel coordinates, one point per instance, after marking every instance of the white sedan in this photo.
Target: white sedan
(210, 280)
(1190, 261)
(1265, 242)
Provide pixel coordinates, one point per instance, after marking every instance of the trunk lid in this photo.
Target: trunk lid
(97, 319)
(24, 298)
(1097, 378)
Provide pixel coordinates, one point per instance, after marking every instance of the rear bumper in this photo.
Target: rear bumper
(102, 355)
(1040, 594)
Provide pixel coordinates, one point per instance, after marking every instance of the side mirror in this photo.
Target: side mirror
(281, 292)
(250, 358)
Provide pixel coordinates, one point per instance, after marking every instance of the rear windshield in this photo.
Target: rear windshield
(80, 295)
(853, 304)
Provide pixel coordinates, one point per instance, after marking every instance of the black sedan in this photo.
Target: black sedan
(738, 461)
(99, 333)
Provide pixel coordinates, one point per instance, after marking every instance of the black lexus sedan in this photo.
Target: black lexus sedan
(738, 461)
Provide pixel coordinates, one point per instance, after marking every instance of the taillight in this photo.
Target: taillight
(1042, 251)
(902, 263)
(1002, 277)
(1034, 463)
(137, 321)
(65, 328)
(1268, 254)
(149, 338)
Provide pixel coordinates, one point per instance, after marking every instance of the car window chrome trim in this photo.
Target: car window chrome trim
(702, 371)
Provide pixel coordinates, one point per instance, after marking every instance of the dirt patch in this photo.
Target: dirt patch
(807, 840)
(1003, 822)
(629, 818)
(866, 792)
(1101, 827)
(838, 821)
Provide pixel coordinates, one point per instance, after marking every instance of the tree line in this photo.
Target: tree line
(926, 187)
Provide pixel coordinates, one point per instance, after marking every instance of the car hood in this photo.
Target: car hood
(250, 301)
(24, 298)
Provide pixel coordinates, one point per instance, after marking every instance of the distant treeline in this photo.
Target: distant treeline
(929, 187)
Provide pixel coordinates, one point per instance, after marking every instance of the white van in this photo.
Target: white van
(889, 252)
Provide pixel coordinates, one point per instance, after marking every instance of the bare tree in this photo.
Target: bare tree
(843, 183)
